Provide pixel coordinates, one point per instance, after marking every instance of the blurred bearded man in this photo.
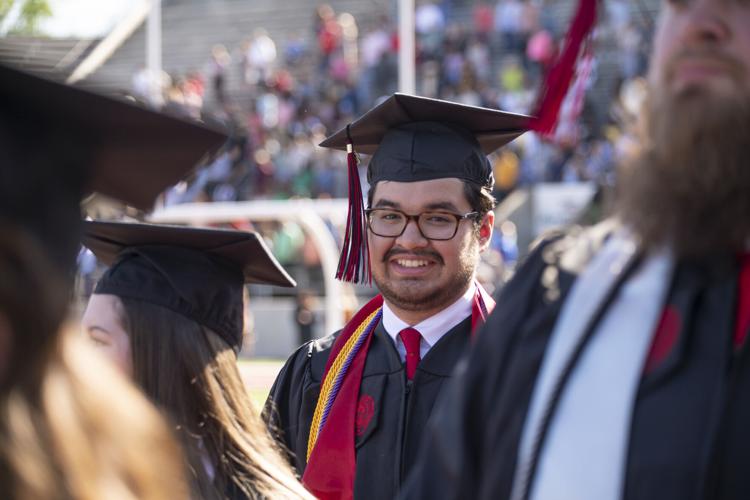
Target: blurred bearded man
(616, 364)
(690, 184)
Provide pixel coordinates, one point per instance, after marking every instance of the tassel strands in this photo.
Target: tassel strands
(354, 262)
(560, 74)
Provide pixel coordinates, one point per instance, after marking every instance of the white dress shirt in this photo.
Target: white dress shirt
(432, 328)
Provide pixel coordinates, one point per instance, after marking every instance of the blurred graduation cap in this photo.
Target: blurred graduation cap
(412, 139)
(197, 272)
(59, 143)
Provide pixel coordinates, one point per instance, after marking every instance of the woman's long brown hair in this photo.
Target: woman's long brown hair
(191, 373)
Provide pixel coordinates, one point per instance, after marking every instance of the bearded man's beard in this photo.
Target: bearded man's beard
(689, 186)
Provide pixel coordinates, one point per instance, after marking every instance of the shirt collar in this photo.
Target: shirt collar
(437, 325)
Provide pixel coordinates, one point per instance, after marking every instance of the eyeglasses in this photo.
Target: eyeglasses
(391, 223)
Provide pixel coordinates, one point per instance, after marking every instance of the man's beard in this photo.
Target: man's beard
(411, 297)
(689, 186)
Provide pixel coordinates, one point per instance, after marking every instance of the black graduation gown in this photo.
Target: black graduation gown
(391, 414)
(690, 432)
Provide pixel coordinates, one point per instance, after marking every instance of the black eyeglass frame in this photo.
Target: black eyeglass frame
(409, 217)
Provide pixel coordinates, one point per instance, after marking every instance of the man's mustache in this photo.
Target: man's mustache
(413, 253)
(714, 56)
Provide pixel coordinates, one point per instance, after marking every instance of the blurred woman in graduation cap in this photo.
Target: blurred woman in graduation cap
(70, 427)
(169, 313)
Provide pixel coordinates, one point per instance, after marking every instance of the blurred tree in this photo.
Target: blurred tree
(27, 15)
(5, 6)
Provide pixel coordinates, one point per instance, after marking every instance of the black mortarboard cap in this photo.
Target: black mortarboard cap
(59, 143)
(416, 138)
(197, 272)
(411, 139)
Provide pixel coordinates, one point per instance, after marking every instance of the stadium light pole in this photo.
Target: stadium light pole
(406, 47)
(153, 51)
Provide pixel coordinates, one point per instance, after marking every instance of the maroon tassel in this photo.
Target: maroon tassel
(560, 74)
(354, 262)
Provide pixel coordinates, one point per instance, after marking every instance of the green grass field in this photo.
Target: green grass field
(258, 375)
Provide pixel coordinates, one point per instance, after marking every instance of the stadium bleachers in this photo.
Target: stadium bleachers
(190, 29)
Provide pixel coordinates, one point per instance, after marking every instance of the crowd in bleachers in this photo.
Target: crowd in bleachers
(297, 90)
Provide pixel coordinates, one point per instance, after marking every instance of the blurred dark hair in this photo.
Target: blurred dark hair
(33, 302)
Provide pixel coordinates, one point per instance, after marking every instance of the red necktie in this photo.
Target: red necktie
(411, 338)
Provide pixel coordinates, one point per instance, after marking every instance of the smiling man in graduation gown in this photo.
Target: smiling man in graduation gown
(616, 364)
(351, 407)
